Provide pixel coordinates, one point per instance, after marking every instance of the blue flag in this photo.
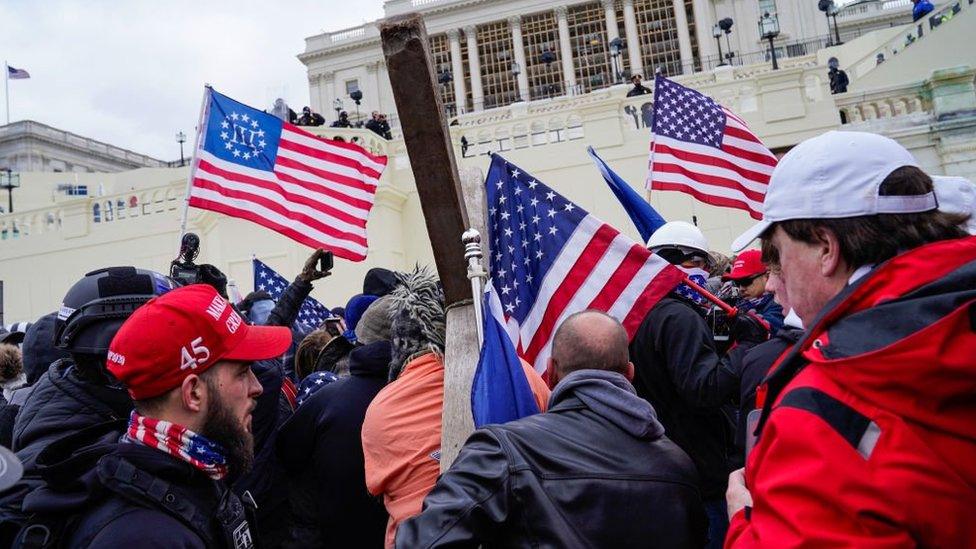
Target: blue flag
(312, 313)
(500, 392)
(644, 216)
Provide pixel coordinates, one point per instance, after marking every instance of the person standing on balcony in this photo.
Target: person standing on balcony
(638, 88)
(838, 78)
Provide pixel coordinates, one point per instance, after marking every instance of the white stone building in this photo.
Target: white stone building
(29, 146)
(923, 95)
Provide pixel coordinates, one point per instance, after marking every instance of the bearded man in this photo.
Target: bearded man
(185, 359)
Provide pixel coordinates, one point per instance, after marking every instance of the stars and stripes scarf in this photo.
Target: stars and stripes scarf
(180, 442)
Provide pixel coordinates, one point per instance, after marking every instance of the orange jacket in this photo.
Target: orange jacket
(402, 437)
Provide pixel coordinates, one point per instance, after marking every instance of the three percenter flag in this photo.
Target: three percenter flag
(251, 165)
(701, 148)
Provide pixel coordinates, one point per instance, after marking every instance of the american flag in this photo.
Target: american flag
(312, 313)
(701, 148)
(550, 258)
(252, 165)
(17, 74)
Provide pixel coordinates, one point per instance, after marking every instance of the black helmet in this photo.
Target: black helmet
(97, 305)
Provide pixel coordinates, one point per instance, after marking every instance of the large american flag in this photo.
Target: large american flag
(701, 148)
(550, 258)
(312, 313)
(252, 165)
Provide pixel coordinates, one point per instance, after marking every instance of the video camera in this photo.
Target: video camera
(186, 272)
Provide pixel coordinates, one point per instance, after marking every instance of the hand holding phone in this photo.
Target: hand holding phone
(318, 265)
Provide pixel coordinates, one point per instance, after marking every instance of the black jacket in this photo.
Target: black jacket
(678, 371)
(755, 364)
(638, 90)
(100, 492)
(380, 128)
(594, 471)
(321, 446)
(62, 402)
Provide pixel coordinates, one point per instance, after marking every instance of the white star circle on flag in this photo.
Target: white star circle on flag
(250, 133)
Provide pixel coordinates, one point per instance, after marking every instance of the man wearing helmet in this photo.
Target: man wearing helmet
(679, 371)
(78, 392)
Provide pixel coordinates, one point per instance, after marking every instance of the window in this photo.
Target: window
(495, 52)
(351, 86)
(767, 6)
(73, 190)
(440, 52)
(540, 34)
(588, 31)
(659, 36)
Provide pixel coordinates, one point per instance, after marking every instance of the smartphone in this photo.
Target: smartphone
(326, 262)
(333, 326)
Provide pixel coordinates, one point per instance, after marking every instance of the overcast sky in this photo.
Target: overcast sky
(131, 73)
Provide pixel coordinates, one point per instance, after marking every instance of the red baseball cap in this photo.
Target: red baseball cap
(186, 331)
(746, 265)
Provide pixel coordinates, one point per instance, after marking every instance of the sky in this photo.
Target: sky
(131, 73)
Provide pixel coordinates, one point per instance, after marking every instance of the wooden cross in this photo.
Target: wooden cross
(446, 204)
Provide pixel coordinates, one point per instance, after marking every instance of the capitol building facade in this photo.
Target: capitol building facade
(537, 82)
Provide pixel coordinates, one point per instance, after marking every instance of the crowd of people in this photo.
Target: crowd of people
(834, 408)
(377, 122)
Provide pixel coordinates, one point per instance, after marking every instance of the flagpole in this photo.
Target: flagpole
(6, 87)
(473, 254)
(201, 131)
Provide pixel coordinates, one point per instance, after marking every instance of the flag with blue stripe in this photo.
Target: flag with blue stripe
(500, 392)
(644, 216)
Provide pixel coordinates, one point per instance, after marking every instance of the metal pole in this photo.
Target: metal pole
(718, 42)
(476, 272)
(837, 42)
(201, 131)
(6, 87)
(772, 51)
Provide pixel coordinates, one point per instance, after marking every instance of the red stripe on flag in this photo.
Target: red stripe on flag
(265, 222)
(568, 287)
(657, 288)
(278, 208)
(716, 161)
(707, 198)
(330, 158)
(748, 155)
(705, 179)
(332, 177)
(326, 190)
(207, 167)
(351, 147)
(634, 260)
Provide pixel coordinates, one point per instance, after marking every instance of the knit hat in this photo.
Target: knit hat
(379, 281)
(375, 323)
(354, 311)
(419, 318)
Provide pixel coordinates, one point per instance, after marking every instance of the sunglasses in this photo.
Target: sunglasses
(745, 282)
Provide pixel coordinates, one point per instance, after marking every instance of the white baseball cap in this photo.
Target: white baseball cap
(833, 176)
(957, 195)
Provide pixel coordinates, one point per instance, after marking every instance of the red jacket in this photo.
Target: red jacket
(871, 438)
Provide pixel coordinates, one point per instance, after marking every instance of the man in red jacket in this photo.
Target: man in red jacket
(868, 433)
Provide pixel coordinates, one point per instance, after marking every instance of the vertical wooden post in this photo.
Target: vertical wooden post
(429, 146)
(443, 202)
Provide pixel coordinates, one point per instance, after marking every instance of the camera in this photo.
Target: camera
(186, 272)
(182, 268)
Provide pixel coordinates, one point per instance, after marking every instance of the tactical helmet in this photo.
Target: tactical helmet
(97, 305)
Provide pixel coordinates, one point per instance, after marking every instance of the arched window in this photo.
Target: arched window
(97, 213)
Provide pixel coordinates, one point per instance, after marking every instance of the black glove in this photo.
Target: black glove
(747, 327)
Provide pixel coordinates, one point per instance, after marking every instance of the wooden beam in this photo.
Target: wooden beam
(429, 147)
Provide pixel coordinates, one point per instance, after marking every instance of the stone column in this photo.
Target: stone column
(566, 51)
(515, 24)
(610, 12)
(474, 65)
(457, 70)
(684, 37)
(326, 86)
(633, 40)
(705, 20)
(373, 72)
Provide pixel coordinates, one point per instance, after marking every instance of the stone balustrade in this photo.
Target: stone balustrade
(889, 102)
